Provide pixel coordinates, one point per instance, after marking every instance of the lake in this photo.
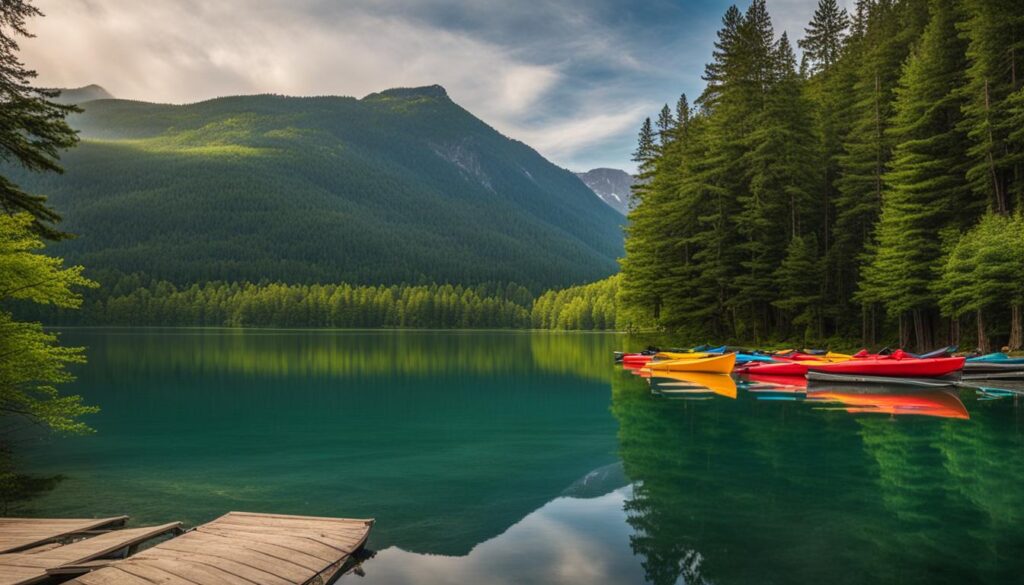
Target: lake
(519, 457)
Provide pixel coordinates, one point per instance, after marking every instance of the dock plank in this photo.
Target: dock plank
(35, 564)
(242, 548)
(17, 534)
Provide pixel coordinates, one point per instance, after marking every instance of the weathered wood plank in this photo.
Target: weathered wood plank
(21, 533)
(243, 549)
(275, 565)
(43, 562)
(239, 572)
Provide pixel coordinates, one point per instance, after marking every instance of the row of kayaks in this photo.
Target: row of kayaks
(892, 364)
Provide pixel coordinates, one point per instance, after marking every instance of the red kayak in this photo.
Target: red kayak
(798, 382)
(636, 359)
(894, 367)
(796, 368)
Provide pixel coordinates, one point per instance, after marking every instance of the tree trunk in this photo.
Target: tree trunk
(982, 338)
(919, 331)
(874, 333)
(1016, 332)
(954, 331)
(864, 325)
(1001, 203)
(904, 331)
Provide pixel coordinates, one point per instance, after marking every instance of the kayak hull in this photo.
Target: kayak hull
(722, 364)
(894, 368)
(794, 368)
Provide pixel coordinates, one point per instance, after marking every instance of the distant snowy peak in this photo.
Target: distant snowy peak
(613, 186)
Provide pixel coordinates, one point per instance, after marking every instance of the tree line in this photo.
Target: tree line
(839, 195)
(133, 300)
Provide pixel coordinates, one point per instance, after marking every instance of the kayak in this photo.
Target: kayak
(673, 355)
(746, 358)
(787, 368)
(636, 358)
(896, 368)
(845, 379)
(996, 358)
(939, 403)
(941, 352)
(825, 357)
(720, 364)
(692, 382)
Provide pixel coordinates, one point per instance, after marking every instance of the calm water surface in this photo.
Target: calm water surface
(530, 458)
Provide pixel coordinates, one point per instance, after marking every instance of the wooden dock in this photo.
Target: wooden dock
(244, 549)
(38, 564)
(237, 548)
(17, 534)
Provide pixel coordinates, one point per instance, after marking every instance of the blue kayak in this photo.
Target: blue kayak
(750, 357)
(996, 358)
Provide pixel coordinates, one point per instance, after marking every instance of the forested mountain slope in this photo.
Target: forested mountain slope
(400, 186)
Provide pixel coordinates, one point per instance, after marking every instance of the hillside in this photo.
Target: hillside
(613, 186)
(400, 186)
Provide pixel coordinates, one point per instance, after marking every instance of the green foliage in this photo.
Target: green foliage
(32, 125)
(135, 302)
(995, 31)
(32, 364)
(794, 196)
(925, 189)
(588, 307)
(398, 187)
(985, 268)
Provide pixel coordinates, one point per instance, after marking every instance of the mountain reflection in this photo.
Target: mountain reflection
(567, 541)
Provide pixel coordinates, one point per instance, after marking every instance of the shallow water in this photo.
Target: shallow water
(530, 458)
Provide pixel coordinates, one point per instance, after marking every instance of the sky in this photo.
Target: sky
(572, 78)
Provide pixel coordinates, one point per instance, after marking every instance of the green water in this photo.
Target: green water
(530, 458)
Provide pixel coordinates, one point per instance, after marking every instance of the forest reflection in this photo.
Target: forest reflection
(730, 490)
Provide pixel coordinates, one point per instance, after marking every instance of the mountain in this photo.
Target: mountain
(80, 95)
(399, 186)
(613, 186)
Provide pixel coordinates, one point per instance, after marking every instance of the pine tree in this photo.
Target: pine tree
(642, 267)
(874, 58)
(32, 126)
(798, 279)
(995, 31)
(784, 180)
(665, 124)
(925, 189)
(824, 41)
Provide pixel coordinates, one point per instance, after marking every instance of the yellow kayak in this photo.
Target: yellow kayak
(837, 357)
(720, 384)
(668, 355)
(719, 364)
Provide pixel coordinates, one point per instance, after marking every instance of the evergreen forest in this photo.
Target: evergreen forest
(871, 189)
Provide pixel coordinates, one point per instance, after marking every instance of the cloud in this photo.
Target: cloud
(573, 78)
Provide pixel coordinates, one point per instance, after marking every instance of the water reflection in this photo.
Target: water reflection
(939, 403)
(285, 353)
(568, 540)
(530, 458)
(751, 491)
(693, 385)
